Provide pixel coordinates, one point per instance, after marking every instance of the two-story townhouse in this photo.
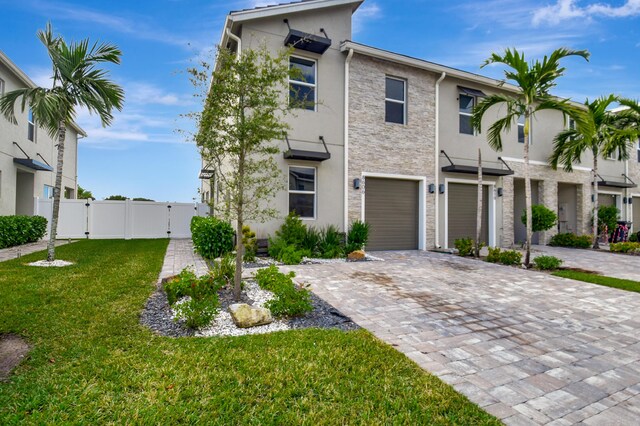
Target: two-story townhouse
(28, 155)
(387, 139)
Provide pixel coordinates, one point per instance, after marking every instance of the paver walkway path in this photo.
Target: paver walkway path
(180, 255)
(610, 264)
(13, 252)
(528, 347)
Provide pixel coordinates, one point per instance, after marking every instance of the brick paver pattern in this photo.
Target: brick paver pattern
(18, 251)
(180, 255)
(528, 347)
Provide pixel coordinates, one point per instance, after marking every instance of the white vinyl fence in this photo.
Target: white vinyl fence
(121, 219)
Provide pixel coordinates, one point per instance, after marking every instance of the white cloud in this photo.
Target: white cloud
(145, 93)
(564, 10)
(367, 12)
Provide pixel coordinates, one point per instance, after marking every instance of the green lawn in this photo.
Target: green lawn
(600, 279)
(92, 362)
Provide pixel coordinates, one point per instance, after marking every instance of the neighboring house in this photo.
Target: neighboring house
(28, 154)
(387, 139)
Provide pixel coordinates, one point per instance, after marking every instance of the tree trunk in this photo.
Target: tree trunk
(527, 190)
(596, 244)
(51, 246)
(479, 212)
(237, 281)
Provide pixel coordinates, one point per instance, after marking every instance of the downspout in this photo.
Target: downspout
(235, 38)
(437, 162)
(346, 140)
(627, 206)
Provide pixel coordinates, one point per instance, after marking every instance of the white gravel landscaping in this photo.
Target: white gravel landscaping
(53, 263)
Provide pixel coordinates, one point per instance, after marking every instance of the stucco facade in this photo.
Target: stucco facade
(20, 184)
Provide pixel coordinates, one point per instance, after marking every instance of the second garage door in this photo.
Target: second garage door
(392, 210)
(462, 208)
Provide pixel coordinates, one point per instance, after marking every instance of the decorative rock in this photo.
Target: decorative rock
(356, 256)
(53, 263)
(245, 316)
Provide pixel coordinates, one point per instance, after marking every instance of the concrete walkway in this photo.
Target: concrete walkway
(180, 255)
(610, 264)
(15, 252)
(528, 347)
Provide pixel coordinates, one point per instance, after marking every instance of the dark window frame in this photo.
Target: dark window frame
(402, 102)
(304, 192)
(302, 83)
(466, 114)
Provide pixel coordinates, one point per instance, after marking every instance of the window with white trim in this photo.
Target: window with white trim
(466, 104)
(302, 191)
(521, 129)
(47, 193)
(1, 87)
(302, 84)
(31, 126)
(395, 105)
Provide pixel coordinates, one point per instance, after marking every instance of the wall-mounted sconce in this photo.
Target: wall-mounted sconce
(441, 188)
(432, 188)
(356, 183)
(593, 198)
(499, 192)
(624, 200)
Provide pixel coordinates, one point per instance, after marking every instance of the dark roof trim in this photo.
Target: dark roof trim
(472, 92)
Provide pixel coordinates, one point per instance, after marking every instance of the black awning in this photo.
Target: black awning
(33, 164)
(309, 42)
(473, 170)
(298, 154)
(614, 184)
(206, 174)
(471, 92)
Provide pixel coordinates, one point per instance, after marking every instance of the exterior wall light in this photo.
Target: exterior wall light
(500, 192)
(432, 188)
(441, 188)
(356, 183)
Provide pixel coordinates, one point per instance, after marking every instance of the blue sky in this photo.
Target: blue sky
(141, 155)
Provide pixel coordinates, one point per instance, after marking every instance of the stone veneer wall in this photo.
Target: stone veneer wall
(548, 190)
(379, 147)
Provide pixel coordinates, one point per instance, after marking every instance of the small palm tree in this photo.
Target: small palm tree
(77, 82)
(534, 80)
(606, 134)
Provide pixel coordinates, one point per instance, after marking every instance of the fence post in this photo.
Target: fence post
(128, 219)
(87, 231)
(169, 221)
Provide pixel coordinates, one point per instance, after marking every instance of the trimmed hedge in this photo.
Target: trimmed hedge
(18, 230)
(211, 237)
(571, 240)
(626, 247)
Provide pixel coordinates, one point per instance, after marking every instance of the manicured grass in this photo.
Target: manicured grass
(628, 285)
(93, 363)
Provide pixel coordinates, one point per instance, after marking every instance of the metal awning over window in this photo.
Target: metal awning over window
(471, 92)
(473, 170)
(299, 154)
(306, 41)
(31, 163)
(206, 174)
(628, 183)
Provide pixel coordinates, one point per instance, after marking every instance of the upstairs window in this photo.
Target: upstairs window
(1, 87)
(638, 150)
(395, 101)
(466, 110)
(302, 191)
(521, 129)
(47, 193)
(31, 127)
(302, 85)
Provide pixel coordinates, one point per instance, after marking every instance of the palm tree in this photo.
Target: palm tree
(534, 80)
(77, 82)
(605, 135)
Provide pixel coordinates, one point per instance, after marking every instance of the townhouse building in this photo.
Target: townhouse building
(386, 138)
(28, 155)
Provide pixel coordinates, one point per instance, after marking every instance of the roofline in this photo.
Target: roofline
(4, 59)
(279, 9)
(375, 52)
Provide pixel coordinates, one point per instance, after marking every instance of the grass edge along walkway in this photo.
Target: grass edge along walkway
(93, 363)
(587, 277)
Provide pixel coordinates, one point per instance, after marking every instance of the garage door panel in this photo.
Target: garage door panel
(391, 210)
(636, 214)
(462, 212)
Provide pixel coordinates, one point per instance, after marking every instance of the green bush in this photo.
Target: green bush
(211, 237)
(292, 231)
(18, 230)
(466, 246)
(607, 215)
(310, 241)
(200, 303)
(197, 312)
(571, 240)
(223, 271)
(331, 244)
(628, 247)
(289, 300)
(547, 263)
(510, 257)
(633, 238)
(250, 244)
(180, 286)
(494, 255)
(542, 218)
(286, 253)
(357, 237)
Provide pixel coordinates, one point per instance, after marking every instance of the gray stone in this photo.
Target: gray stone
(245, 316)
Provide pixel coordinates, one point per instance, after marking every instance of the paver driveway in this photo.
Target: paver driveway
(528, 347)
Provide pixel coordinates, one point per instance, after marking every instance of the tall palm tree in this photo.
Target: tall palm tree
(605, 135)
(534, 80)
(77, 82)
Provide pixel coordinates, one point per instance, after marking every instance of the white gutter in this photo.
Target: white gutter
(627, 207)
(347, 187)
(235, 38)
(437, 162)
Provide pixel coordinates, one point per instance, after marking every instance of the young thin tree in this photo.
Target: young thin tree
(242, 118)
(534, 80)
(77, 82)
(479, 212)
(605, 134)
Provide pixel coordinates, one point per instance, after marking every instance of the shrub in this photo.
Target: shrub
(357, 237)
(180, 286)
(18, 230)
(494, 255)
(292, 231)
(197, 312)
(286, 253)
(466, 246)
(547, 263)
(289, 300)
(571, 240)
(331, 244)
(633, 238)
(628, 247)
(211, 237)
(542, 218)
(510, 257)
(193, 299)
(608, 215)
(223, 270)
(250, 244)
(311, 241)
